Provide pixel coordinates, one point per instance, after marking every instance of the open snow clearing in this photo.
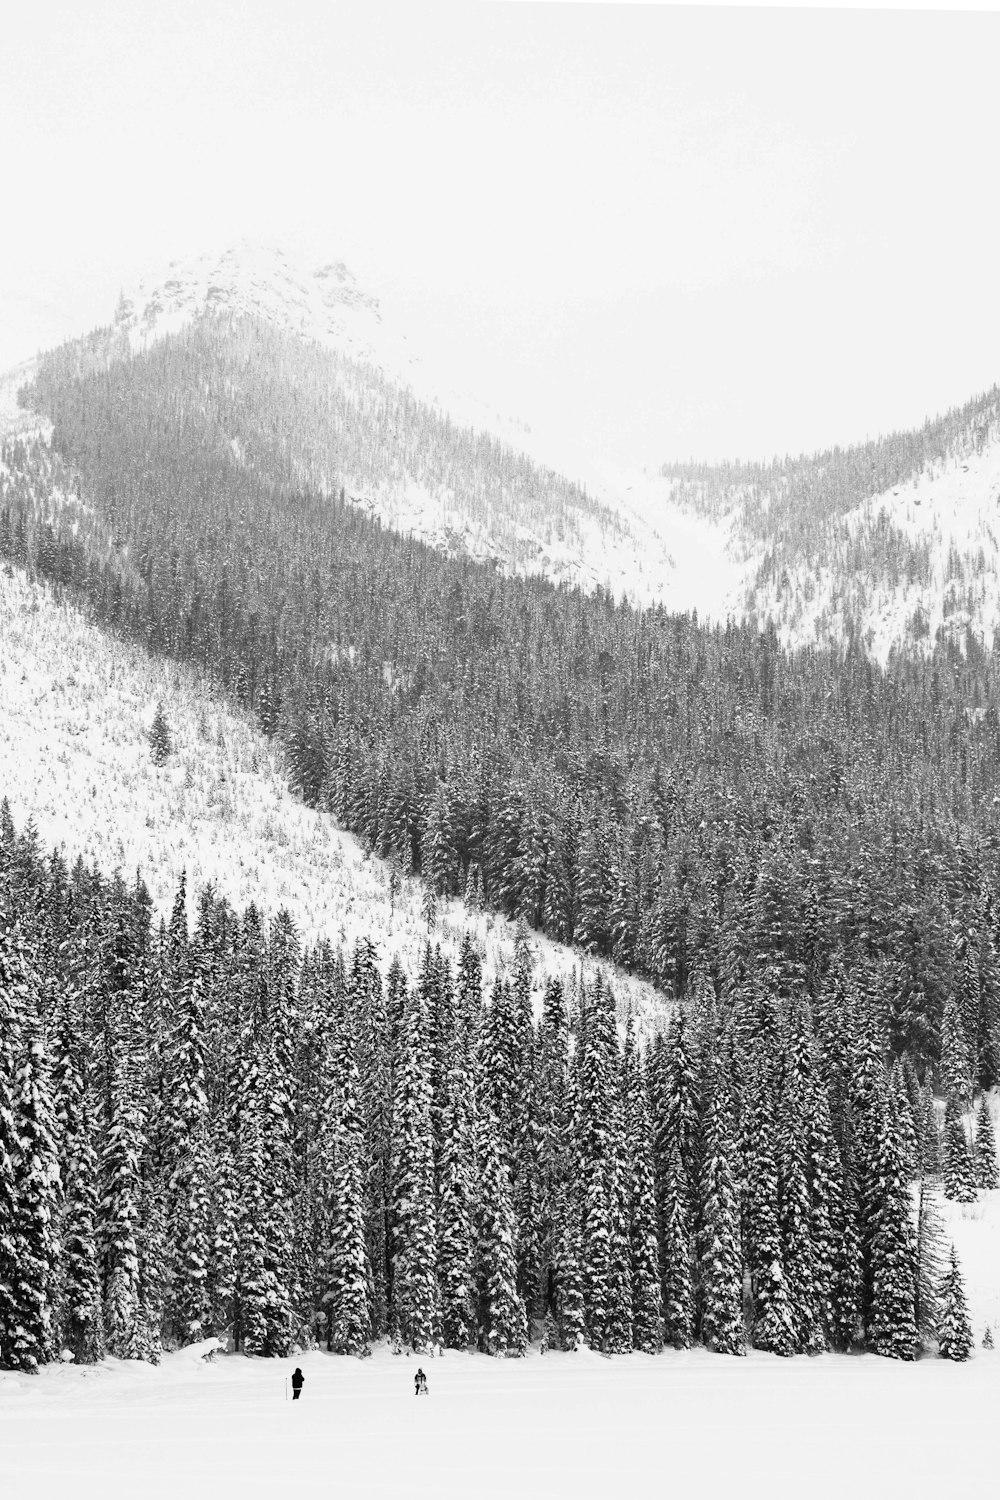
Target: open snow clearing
(558, 1425)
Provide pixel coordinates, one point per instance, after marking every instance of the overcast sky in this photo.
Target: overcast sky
(682, 231)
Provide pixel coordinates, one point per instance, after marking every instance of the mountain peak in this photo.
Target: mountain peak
(254, 279)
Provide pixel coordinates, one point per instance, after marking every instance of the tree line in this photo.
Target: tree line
(210, 1129)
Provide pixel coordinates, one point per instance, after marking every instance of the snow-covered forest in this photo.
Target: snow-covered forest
(215, 1128)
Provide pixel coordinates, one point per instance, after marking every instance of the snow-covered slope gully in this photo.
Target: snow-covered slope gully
(75, 708)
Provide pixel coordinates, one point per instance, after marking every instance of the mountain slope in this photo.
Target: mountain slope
(75, 759)
(516, 511)
(891, 545)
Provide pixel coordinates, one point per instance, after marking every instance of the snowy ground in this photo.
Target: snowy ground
(558, 1425)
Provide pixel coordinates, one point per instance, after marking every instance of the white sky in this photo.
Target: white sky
(678, 231)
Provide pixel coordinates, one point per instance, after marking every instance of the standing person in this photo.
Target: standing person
(419, 1382)
(298, 1381)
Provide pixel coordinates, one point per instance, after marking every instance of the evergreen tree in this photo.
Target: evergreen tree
(720, 1266)
(987, 1175)
(160, 739)
(14, 995)
(455, 1226)
(503, 1328)
(415, 1290)
(345, 1298)
(954, 1329)
(36, 1179)
(646, 1330)
(893, 1329)
(79, 1327)
(959, 1171)
(678, 1279)
(773, 1326)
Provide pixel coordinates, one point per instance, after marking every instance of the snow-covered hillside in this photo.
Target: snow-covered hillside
(948, 578)
(75, 707)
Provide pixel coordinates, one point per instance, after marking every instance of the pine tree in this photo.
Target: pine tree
(678, 1279)
(79, 1323)
(14, 995)
(345, 1299)
(189, 1165)
(415, 1291)
(773, 1324)
(987, 1175)
(36, 1179)
(956, 1063)
(118, 1220)
(954, 1329)
(569, 1288)
(160, 739)
(720, 1266)
(503, 1328)
(646, 1330)
(893, 1330)
(959, 1171)
(796, 1220)
(455, 1229)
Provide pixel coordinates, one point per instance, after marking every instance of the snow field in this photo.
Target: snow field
(75, 706)
(559, 1425)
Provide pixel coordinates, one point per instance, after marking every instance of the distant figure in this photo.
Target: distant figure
(419, 1383)
(298, 1381)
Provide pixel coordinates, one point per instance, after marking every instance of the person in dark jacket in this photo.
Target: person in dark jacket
(419, 1383)
(298, 1381)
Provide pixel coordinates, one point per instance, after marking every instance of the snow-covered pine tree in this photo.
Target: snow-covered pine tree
(619, 1328)
(909, 1144)
(14, 999)
(959, 1170)
(524, 1139)
(596, 1129)
(956, 1063)
(36, 1181)
(678, 1279)
(553, 1134)
(345, 1296)
(160, 739)
(415, 1291)
(79, 1326)
(773, 1326)
(119, 1217)
(503, 1327)
(647, 1331)
(455, 1219)
(954, 1329)
(929, 1134)
(374, 1052)
(892, 1331)
(720, 1264)
(569, 1306)
(189, 1169)
(987, 1175)
(847, 1271)
(796, 1218)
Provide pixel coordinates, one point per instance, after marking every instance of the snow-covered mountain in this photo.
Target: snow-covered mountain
(614, 540)
(250, 279)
